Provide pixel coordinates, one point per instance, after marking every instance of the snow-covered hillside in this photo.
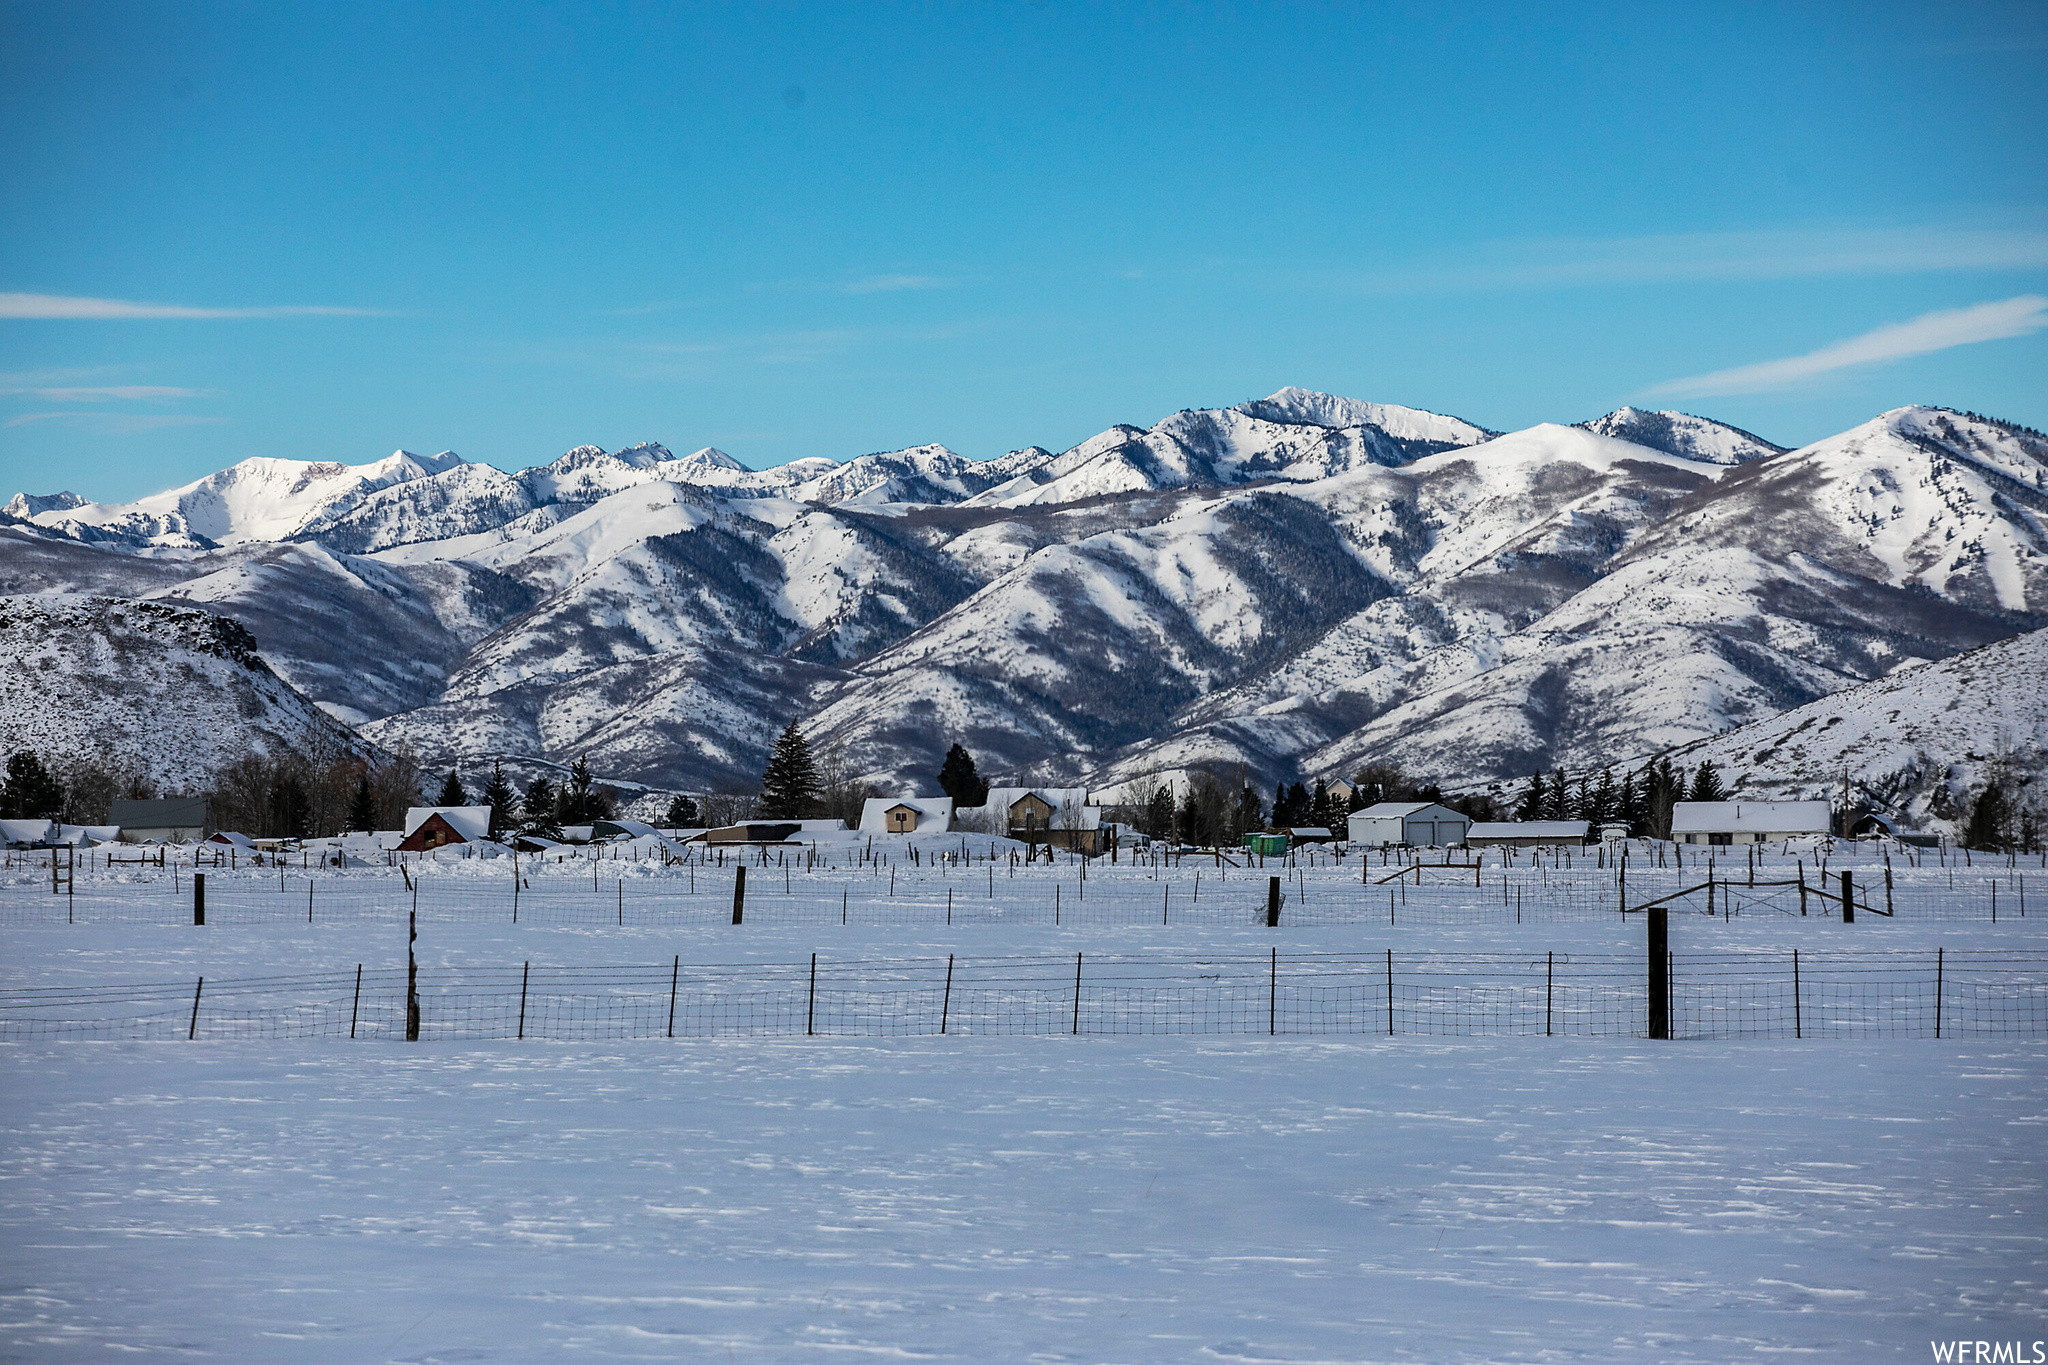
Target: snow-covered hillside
(173, 692)
(1915, 743)
(1295, 586)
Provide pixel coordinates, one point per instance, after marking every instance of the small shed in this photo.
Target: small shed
(1310, 834)
(231, 838)
(620, 829)
(1747, 822)
(1422, 824)
(1272, 842)
(906, 815)
(431, 827)
(1526, 833)
(167, 820)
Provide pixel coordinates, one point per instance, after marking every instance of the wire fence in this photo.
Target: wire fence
(1801, 994)
(1432, 894)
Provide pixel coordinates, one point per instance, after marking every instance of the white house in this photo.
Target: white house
(1423, 824)
(1747, 822)
(906, 815)
(1526, 833)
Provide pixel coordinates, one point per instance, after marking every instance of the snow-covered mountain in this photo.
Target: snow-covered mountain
(259, 499)
(172, 692)
(1295, 585)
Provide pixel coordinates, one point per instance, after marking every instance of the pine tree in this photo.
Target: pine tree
(1990, 819)
(1706, 784)
(1251, 812)
(499, 797)
(682, 813)
(1159, 812)
(1628, 803)
(958, 779)
(31, 792)
(576, 805)
(1559, 804)
(362, 806)
(789, 784)
(452, 793)
(290, 811)
(1603, 799)
(1530, 807)
(1320, 812)
(540, 809)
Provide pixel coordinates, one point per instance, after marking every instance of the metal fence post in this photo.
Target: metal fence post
(1660, 974)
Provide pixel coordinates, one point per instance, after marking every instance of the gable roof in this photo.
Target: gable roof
(1528, 829)
(933, 812)
(1000, 799)
(471, 822)
(1389, 810)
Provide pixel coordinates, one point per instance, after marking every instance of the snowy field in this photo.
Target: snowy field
(1221, 1196)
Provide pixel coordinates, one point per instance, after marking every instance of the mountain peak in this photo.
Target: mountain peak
(1684, 435)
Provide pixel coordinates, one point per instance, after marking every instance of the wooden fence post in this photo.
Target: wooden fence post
(1848, 898)
(192, 1031)
(412, 979)
(1272, 902)
(356, 1006)
(946, 1002)
(199, 898)
(739, 892)
(525, 971)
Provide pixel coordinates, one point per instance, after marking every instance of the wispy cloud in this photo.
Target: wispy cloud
(58, 306)
(118, 424)
(1561, 263)
(887, 284)
(137, 392)
(1924, 335)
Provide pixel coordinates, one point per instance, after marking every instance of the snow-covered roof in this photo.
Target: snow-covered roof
(1000, 799)
(1750, 817)
(933, 813)
(607, 829)
(1390, 810)
(27, 831)
(233, 837)
(1308, 831)
(1528, 829)
(471, 822)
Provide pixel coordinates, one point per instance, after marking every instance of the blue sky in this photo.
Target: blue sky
(822, 230)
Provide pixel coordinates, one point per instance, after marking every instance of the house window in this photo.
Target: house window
(1720, 838)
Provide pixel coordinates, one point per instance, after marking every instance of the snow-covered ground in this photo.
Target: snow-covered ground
(984, 1198)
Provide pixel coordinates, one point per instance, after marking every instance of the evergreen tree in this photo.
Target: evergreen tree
(1706, 784)
(1663, 788)
(31, 792)
(1321, 811)
(789, 785)
(1530, 807)
(362, 806)
(578, 804)
(290, 811)
(1159, 812)
(452, 793)
(1628, 803)
(958, 779)
(498, 795)
(1990, 820)
(1558, 806)
(1251, 812)
(682, 813)
(1603, 808)
(540, 809)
